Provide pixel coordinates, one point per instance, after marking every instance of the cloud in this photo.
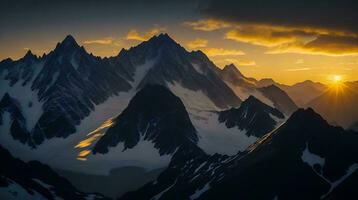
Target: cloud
(240, 62)
(104, 41)
(207, 25)
(318, 27)
(197, 43)
(322, 45)
(222, 52)
(327, 14)
(298, 69)
(301, 40)
(135, 35)
(261, 38)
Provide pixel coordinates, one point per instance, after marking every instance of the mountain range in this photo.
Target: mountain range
(206, 131)
(299, 160)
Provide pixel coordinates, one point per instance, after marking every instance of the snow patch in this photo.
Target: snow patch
(215, 137)
(30, 105)
(156, 197)
(15, 191)
(244, 93)
(199, 192)
(61, 153)
(74, 62)
(334, 184)
(310, 158)
(192, 99)
(141, 71)
(197, 68)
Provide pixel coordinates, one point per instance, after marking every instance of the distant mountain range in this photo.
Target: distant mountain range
(338, 104)
(269, 94)
(301, 93)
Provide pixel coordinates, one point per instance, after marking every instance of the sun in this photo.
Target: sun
(337, 85)
(337, 78)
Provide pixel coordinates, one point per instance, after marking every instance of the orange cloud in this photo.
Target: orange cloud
(267, 36)
(222, 52)
(322, 45)
(285, 39)
(298, 69)
(207, 25)
(197, 43)
(135, 35)
(104, 41)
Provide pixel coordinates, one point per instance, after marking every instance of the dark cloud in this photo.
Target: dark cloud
(329, 14)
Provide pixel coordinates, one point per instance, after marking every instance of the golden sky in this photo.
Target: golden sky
(261, 44)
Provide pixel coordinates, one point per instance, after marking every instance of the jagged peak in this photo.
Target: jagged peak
(6, 60)
(69, 39)
(163, 38)
(68, 43)
(251, 99)
(231, 68)
(29, 55)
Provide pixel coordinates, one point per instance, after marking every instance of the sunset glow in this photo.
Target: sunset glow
(337, 78)
(287, 52)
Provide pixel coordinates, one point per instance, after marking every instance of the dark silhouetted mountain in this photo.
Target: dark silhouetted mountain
(154, 114)
(280, 99)
(33, 180)
(253, 116)
(345, 190)
(354, 126)
(305, 158)
(338, 104)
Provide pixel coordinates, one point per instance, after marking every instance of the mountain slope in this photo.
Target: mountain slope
(244, 87)
(354, 126)
(253, 116)
(322, 157)
(301, 93)
(305, 91)
(57, 91)
(280, 99)
(338, 104)
(176, 67)
(33, 180)
(154, 114)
